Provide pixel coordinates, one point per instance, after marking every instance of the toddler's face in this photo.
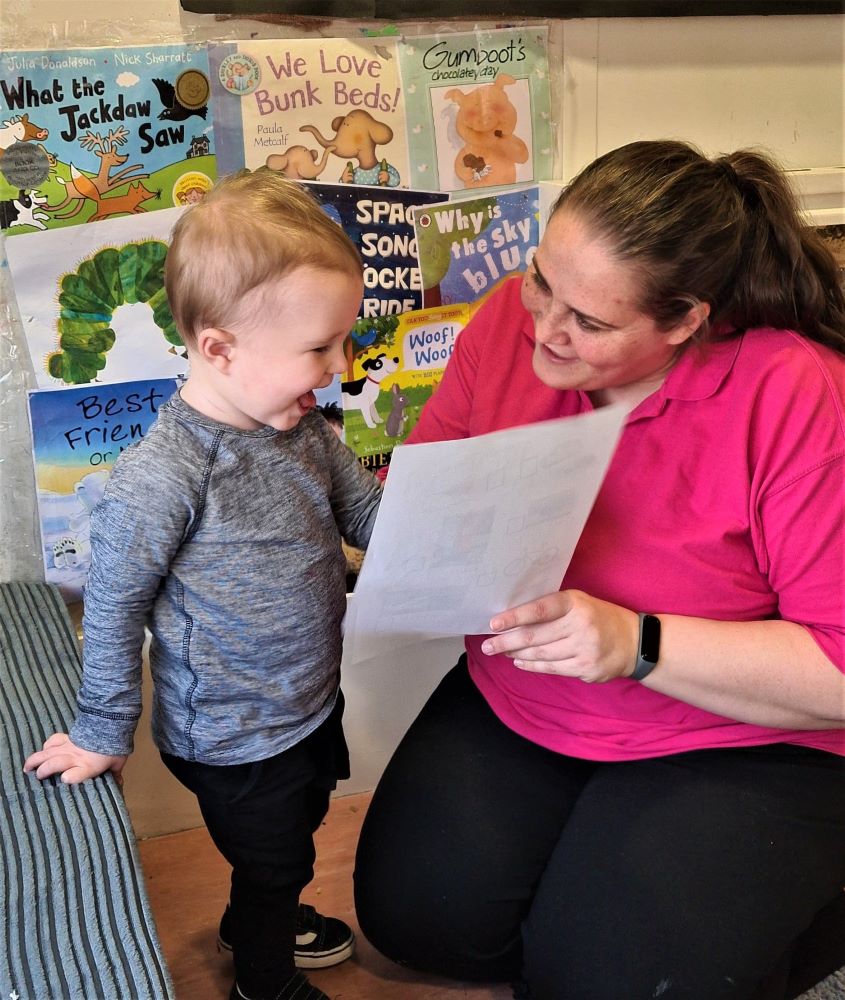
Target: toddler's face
(291, 345)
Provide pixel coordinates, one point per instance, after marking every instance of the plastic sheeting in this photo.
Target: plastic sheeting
(20, 543)
(20, 555)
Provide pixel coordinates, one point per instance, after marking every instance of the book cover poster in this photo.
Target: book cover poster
(394, 380)
(468, 248)
(479, 112)
(77, 435)
(328, 109)
(92, 301)
(90, 134)
(380, 222)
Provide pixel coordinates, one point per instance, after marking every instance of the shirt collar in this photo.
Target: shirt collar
(701, 369)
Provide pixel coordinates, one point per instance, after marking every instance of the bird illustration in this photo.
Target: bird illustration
(174, 110)
(364, 337)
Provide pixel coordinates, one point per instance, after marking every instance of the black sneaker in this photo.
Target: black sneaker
(320, 941)
(297, 988)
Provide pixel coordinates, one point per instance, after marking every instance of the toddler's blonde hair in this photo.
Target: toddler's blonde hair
(252, 228)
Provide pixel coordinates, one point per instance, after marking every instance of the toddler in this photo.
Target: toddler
(221, 530)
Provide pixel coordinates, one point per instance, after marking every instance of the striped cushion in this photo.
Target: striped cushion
(78, 922)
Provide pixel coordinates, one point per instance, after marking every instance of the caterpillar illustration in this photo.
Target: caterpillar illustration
(89, 298)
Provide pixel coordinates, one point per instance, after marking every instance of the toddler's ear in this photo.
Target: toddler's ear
(215, 347)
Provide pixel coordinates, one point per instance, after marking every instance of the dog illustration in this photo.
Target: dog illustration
(362, 393)
(396, 419)
(23, 211)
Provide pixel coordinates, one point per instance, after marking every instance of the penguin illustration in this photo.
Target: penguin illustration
(174, 109)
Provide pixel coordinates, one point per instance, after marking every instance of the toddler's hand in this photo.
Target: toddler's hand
(60, 756)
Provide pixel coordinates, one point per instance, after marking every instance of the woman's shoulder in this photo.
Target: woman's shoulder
(773, 347)
(500, 314)
(791, 363)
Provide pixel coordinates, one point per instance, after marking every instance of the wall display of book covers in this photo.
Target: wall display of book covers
(446, 112)
(101, 149)
(90, 134)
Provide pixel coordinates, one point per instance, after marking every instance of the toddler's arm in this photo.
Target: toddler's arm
(136, 531)
(356, 494)
(60, 756)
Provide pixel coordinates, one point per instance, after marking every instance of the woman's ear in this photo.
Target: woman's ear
(215, 347)
(688, 326)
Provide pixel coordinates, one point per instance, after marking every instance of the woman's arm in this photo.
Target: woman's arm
(767, 673)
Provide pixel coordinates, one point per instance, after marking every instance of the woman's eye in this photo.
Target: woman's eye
(539, 281)
(586, 324)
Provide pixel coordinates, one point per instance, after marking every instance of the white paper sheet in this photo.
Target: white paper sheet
(472, 527)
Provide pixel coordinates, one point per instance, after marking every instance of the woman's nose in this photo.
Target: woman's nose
(551, 327)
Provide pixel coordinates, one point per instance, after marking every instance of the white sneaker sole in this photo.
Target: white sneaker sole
(310, 960)
(324, 959)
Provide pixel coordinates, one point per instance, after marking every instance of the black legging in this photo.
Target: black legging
(486, 857)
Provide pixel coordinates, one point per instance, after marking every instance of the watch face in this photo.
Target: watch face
(650, 639)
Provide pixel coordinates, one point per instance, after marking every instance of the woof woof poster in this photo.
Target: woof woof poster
(91, 134)
(328, 109)
(395, 378)
(77, 435)
(92, 301)
(468, 248)
(479, 113)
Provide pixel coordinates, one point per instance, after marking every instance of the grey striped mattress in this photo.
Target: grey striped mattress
(78, 924)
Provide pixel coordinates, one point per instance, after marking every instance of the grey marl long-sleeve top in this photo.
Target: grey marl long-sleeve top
(227, 544)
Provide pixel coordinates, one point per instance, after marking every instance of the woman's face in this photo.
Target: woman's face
(589, 332)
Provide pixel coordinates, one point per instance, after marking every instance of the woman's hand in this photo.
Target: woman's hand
(60, 756)
(568, 633)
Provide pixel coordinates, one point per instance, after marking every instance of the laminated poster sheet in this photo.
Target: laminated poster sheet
(472, 527)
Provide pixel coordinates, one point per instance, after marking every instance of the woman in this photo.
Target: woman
(635, 787)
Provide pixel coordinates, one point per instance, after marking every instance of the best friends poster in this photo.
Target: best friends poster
(77, 435)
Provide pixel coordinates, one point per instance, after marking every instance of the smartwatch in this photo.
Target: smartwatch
(648, 651)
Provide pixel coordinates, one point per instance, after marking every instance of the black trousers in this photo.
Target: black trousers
(262, 816)
(486, 857)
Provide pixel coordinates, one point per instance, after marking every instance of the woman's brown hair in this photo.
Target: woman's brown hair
(728, 232)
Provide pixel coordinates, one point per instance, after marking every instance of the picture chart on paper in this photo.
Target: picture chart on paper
(478, 106)
(472, 527)
(328, 109)
(91, 134)
(468, 248)
(92, 301)
(77, 435)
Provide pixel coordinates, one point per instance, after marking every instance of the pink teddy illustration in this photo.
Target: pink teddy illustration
(486, 121)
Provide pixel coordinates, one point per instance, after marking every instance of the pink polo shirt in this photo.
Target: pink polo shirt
(725, 499)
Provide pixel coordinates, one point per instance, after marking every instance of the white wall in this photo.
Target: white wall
(721, 82)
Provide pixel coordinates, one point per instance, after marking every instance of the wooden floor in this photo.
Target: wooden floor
(188, 884)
